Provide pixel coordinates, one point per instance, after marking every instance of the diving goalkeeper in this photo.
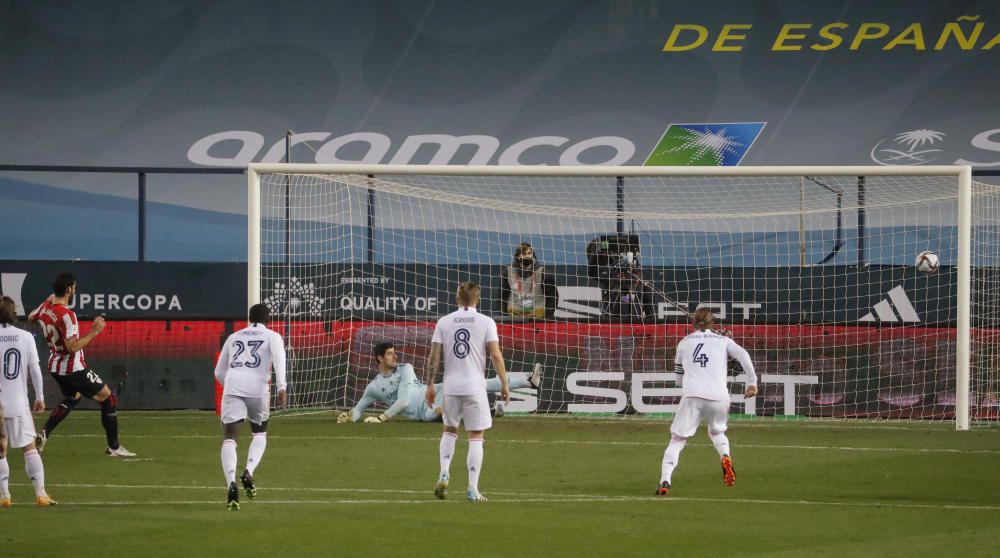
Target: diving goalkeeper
(397, 387)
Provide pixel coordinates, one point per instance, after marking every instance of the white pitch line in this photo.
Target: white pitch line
(290, 489)
(761, 422)
(520, 497)
(574, 443)
(583, 499)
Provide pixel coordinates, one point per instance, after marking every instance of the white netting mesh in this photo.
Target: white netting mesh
(814, 275)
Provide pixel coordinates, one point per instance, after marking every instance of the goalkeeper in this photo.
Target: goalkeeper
(397, 387)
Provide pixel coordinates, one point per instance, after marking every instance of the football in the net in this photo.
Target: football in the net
(927, 262)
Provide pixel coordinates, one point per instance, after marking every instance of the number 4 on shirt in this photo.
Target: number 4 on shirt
(700, 357)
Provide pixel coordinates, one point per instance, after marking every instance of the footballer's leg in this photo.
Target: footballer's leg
(233, 497)
(446, 451)
(671, 456)
(684, 425)
(717, 419)
(474, 463)
(36, 472)
(515, 381)
(728, 472)
(256, 452)
(71, 398)
(451, 415)
(102, 394)
(234, 412)
(721, 443)
(477, 421)
(4, 469)
(535, 379)
(21, 431)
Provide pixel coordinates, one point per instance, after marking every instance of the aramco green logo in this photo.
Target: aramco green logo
(715, 145)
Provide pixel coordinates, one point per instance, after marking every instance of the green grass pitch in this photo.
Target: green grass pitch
(557, 487)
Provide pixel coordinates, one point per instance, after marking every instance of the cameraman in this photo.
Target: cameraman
(613, 262)
(527, 289)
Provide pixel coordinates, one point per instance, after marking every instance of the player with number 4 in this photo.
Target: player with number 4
(701, 366)
(461, 340)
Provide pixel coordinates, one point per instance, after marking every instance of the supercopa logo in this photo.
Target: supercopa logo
(294, 299)
(915, 147)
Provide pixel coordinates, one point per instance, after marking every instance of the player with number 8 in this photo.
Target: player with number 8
(462, 339)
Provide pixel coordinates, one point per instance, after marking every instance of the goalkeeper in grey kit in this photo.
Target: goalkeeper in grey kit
(397, 387)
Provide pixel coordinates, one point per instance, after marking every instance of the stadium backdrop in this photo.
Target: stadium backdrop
(167, 321)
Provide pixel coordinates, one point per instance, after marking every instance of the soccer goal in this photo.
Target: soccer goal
(812, 269)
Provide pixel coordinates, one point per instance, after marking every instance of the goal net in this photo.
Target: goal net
(812, 270)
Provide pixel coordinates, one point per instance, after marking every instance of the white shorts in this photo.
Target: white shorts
(236, 408)
(693, 410)
(474, 410)
(20, 429)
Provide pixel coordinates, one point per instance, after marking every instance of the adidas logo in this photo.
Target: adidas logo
(884, 311)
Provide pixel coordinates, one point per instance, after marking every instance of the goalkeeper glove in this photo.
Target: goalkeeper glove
(344, 417)
(375, 420)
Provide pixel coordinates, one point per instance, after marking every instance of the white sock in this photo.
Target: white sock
(4, 478)
(229, 460)
(671, 456)
(475, 464)
(447, 451)
(721, 443)
(36, 471)
(256, 451)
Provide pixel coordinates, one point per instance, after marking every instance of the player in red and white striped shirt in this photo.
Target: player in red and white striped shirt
(68, 366)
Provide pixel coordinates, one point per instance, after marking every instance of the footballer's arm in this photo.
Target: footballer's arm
(678, 370)
(278, 364)
(33, 316)
(367, 398)
(743, 357)
(222, 365)
(76, 344)
(431, 373)
(407, 383)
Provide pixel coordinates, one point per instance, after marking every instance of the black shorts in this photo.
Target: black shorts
(84, 382)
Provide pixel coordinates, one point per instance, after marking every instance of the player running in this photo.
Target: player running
(20, 359)
(701, 366)
(68, 366)
(463, 338)
(398, 388)
(244, 369)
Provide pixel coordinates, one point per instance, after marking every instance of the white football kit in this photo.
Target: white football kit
(701, 366)
(18, 359)
(244, 369)
(463, 336)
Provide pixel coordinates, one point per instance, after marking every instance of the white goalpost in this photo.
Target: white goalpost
(811, 269)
